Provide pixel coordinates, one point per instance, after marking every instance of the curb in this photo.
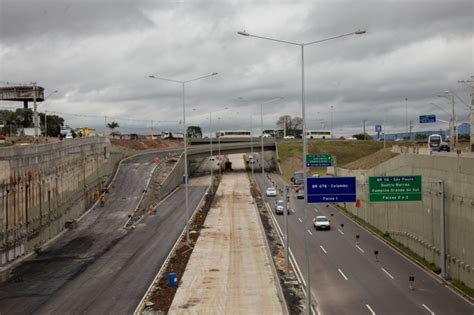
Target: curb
(141, 305)
(281, 296)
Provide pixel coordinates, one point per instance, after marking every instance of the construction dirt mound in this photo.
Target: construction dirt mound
(146, 144)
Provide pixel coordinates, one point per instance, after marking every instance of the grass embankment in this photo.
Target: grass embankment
(352, 154)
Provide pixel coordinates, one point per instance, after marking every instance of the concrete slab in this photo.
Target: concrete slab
(229, 271)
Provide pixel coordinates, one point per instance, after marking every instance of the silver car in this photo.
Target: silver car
(279, 207)
(271, 192)
(321, 222)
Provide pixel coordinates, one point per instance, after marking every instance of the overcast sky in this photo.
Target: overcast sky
(98, 54)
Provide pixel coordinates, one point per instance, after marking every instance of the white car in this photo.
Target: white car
(69, 136)
(300, 193)
(288, 137)
(271, 192)
(266, 135)
(279, 207)
(321, 222)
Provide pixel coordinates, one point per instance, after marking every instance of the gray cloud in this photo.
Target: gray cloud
(98, 54)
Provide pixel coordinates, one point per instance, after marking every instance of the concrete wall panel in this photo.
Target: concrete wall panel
(417, 224)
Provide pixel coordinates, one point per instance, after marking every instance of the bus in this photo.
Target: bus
(318, 134)
(233, 134)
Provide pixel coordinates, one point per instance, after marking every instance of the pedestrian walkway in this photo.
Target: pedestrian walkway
(229, 271)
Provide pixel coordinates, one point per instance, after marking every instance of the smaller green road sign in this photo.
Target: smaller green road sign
(394, 188)
(318, 160)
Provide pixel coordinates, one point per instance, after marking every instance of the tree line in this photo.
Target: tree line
(23, 118)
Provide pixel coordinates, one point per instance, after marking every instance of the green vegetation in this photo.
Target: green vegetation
(408, 252)
(291, 154)
(372, 160)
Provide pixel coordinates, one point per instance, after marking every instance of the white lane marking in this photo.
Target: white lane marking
(299, 219)
(370, 309)
(309, 232)
(321, 246)
(340, 231)
(360, 248)
(342, 273)
(292, 210)
(387, 273)
(428, 309)
(316, 210)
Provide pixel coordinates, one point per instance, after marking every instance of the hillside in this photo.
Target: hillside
(351, 154)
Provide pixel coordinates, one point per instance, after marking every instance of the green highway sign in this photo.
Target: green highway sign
(395, 188)
(319, 160)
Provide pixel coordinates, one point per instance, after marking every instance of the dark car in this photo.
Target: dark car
(443, 146)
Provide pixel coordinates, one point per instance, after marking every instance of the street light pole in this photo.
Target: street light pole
(472, 110)
(186, 179)
(262, 162)
(210, 152)
(302, 45)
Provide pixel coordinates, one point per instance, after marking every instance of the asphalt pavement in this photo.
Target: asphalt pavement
(100, 267)
(346, 275)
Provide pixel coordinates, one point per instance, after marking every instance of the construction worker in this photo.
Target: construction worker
(102, 200)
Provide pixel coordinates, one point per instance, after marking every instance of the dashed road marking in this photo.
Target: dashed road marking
(370, 309)
(321, 246)
(428, 309)
(387, 273)
(309, 232)
(299, 219)
(316, 210)
(340, 231)
(342, 273)
(292, 210)
(358, 247)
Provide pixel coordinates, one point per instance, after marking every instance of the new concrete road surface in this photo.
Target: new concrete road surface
(99, 267)
(229, 271)
(347, 278)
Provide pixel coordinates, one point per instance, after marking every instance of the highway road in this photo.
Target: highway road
(100, 267)
(346, 277)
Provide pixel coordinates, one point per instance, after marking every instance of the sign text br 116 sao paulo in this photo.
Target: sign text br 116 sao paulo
(395, 188)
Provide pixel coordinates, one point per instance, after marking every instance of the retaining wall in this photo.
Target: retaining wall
(44, 186)
(417, 224)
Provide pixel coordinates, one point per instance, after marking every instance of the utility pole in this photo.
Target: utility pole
(332, 134)
(472, 109)
(35, 113)
(363, 122)
(284, 128)
(46, 123)
(406, 112)
(453, 131)
(411, 127)
(472, 117)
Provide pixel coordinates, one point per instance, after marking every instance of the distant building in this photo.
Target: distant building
(464, 129)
